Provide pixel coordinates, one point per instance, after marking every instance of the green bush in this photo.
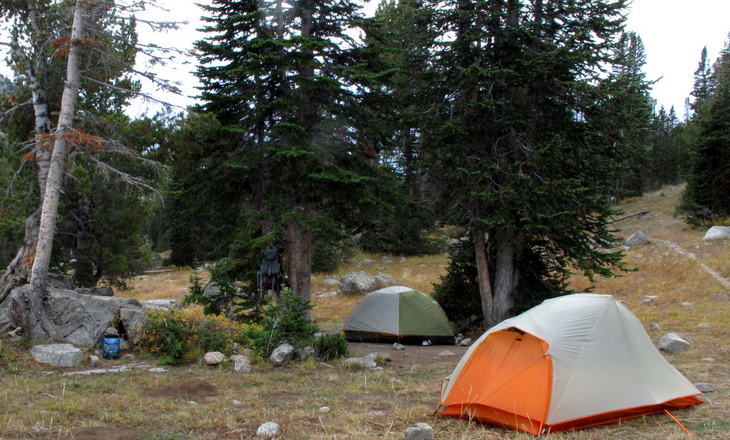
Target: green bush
(184, 335)
(328, 347)
(458, 290)
(285, 321)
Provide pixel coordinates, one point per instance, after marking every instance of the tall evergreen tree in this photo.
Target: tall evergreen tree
(707, 196)
(628, 107)
(274, 74)
(525, 162)
(394, 68)
(704, 83)
(668, 152)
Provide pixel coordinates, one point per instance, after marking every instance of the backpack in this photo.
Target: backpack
(270, 264)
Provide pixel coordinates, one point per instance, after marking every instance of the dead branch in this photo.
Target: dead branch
(636, 214)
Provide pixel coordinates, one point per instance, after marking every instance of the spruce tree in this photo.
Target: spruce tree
(518, 142)
(275, 75)
(707, 196)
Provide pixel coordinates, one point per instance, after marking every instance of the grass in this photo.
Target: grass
(39, 402)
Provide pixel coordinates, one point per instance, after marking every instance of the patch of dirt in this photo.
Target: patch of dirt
(411, 355)
(186, 390)
(104, 433)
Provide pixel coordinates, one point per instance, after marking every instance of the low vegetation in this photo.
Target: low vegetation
(312, 400)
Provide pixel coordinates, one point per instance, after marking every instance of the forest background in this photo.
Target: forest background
(515, 124)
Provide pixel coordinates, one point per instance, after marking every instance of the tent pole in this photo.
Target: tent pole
(677, 421)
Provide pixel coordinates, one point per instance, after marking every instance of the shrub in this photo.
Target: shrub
(285, 321)
(458, 290)
(184, 335)
(328, 347)
(237, 301)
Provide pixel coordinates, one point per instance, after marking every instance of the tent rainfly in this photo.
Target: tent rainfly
(399, 314)
(569, 363)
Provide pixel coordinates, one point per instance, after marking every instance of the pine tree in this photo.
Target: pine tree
(274, 74)
(707, 196)
(394, 68)
(517, 141)
(627, 111)
(704, 83)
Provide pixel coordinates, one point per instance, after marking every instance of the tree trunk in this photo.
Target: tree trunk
(299, 269)
(27, 309)
(484, 278)
(18, 271)
(505, 275)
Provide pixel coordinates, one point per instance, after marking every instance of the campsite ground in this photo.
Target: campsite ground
(312, 401)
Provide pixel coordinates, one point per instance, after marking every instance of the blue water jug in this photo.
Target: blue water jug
(111, 345)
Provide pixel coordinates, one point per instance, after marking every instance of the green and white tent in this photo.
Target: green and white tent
(399, 314)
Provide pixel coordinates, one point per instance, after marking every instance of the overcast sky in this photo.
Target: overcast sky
(673, 31)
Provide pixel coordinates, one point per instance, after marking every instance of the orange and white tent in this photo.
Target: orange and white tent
(569, 363)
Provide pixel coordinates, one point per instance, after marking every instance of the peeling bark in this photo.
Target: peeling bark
(26, 307)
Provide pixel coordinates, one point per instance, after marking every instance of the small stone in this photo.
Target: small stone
(418, 431)
(94, 361)
(39, 428)
(704, 324)
(636, 239)
(241, 364)
(362, 362)
(672, 343)
(158, 370)
(705, 387)
(268, 430)
(214, 358)
(324, 409)
(281, 354)
(398, 347)
(466, 342)
(376, 413)
(447, 353)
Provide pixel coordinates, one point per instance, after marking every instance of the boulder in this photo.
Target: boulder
(357, 282)
(58, 355)
(160, 304)
(636, 239)
(82, 319)
(96, 291)
(717, 233)
(383, 280)
(418, 431)
(212, 289)
(281, 354)
(60, 281)
(672, 343)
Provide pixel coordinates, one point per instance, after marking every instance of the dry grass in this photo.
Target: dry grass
(38, 402)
